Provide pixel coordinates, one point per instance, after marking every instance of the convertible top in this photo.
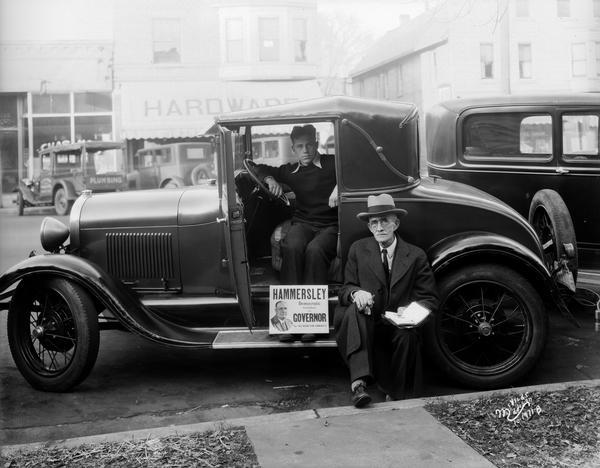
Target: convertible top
(362, 111)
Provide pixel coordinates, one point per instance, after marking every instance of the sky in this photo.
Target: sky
(94, 17)
(377, 16)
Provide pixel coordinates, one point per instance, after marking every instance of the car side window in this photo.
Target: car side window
(580, 137)
(71, 160)
(46, 162)
(507, 136)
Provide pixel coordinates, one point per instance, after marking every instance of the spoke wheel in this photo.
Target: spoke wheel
(62, 205)
(552, 222)
(490, 327)
(53, 333)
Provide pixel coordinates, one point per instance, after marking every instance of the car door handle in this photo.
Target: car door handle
(562, 170)
(221, 220)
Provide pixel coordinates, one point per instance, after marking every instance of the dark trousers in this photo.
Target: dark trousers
(377, 351)
(307, 252)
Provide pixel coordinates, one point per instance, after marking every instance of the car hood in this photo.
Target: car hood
(146, 208)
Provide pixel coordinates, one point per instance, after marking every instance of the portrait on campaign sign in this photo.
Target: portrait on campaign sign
(298, 309)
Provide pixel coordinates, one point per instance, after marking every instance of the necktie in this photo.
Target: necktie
(386, 265)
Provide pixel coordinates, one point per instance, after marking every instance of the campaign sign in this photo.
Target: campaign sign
(298, 309)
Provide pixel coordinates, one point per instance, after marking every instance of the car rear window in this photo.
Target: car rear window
(506, 136)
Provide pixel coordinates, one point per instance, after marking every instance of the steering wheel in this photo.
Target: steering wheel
(250, 167)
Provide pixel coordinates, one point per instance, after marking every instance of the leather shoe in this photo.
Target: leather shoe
(308, 338)
(286, 338)
(360, 397)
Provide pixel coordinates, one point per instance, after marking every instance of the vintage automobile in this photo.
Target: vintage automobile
(539, 154)
(61, 171)
(191, 267)
(173, 165)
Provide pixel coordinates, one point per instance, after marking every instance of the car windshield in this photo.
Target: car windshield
(271, 144)
(104, 161)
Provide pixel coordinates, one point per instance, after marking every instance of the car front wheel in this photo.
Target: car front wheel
(53, 333)
(490, 328)
(62, 205)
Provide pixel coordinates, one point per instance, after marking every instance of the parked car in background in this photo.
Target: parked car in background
(173, 165)
(177, 267)
(539, 154)
(61, 171)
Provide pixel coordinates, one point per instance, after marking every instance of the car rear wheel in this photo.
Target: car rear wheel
(552, 221)
(20, 203)
(62, 205)
(53, 333)
(490, 328)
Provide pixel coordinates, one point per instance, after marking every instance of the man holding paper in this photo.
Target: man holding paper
(383, 273)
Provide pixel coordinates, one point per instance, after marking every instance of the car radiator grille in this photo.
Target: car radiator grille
(140, 255)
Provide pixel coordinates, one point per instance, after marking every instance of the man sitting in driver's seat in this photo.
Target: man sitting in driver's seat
(311, 242)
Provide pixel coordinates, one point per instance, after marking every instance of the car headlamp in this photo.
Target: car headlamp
(53, 234)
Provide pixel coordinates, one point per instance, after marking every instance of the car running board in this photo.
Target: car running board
(260, 338)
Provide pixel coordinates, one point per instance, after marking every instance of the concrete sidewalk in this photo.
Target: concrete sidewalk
(388, 434)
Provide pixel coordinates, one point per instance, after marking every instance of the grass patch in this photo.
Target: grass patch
(228, 447)
(538, 429)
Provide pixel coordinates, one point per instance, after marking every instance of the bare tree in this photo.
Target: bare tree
(343, 42)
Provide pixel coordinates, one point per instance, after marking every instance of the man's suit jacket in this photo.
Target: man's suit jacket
(282, 325)
(411, 279)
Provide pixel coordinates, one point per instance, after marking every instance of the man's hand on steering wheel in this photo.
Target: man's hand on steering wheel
(274, 186)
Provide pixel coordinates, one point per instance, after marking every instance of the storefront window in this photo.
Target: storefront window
(51, 103)
(93, 102)
(50, 129)
(98, 127)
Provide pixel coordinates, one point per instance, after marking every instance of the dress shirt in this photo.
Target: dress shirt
(390, 252)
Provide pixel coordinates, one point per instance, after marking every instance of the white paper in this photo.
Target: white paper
(411, 315)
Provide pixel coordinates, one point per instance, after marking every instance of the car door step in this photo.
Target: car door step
(260, 338)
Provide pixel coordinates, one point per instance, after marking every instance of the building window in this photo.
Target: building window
(563, 8)
(578, 59)
(522, 8)
(233, 40)
(524, 60)
(51, 103)
(486, 53)
(165, 40)
(596, 8)
(268, 37)
(300, 40)
(93, 102)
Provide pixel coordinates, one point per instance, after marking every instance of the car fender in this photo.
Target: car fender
(68, 186)
(28, 195)
(175, 179)
(113, 295)
(478, 247)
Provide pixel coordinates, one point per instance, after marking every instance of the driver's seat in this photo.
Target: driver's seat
(279, 233)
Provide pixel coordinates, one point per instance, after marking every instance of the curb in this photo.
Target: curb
(322, 413)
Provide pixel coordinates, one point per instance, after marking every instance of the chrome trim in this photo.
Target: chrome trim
(189, 301)
(75, 218)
